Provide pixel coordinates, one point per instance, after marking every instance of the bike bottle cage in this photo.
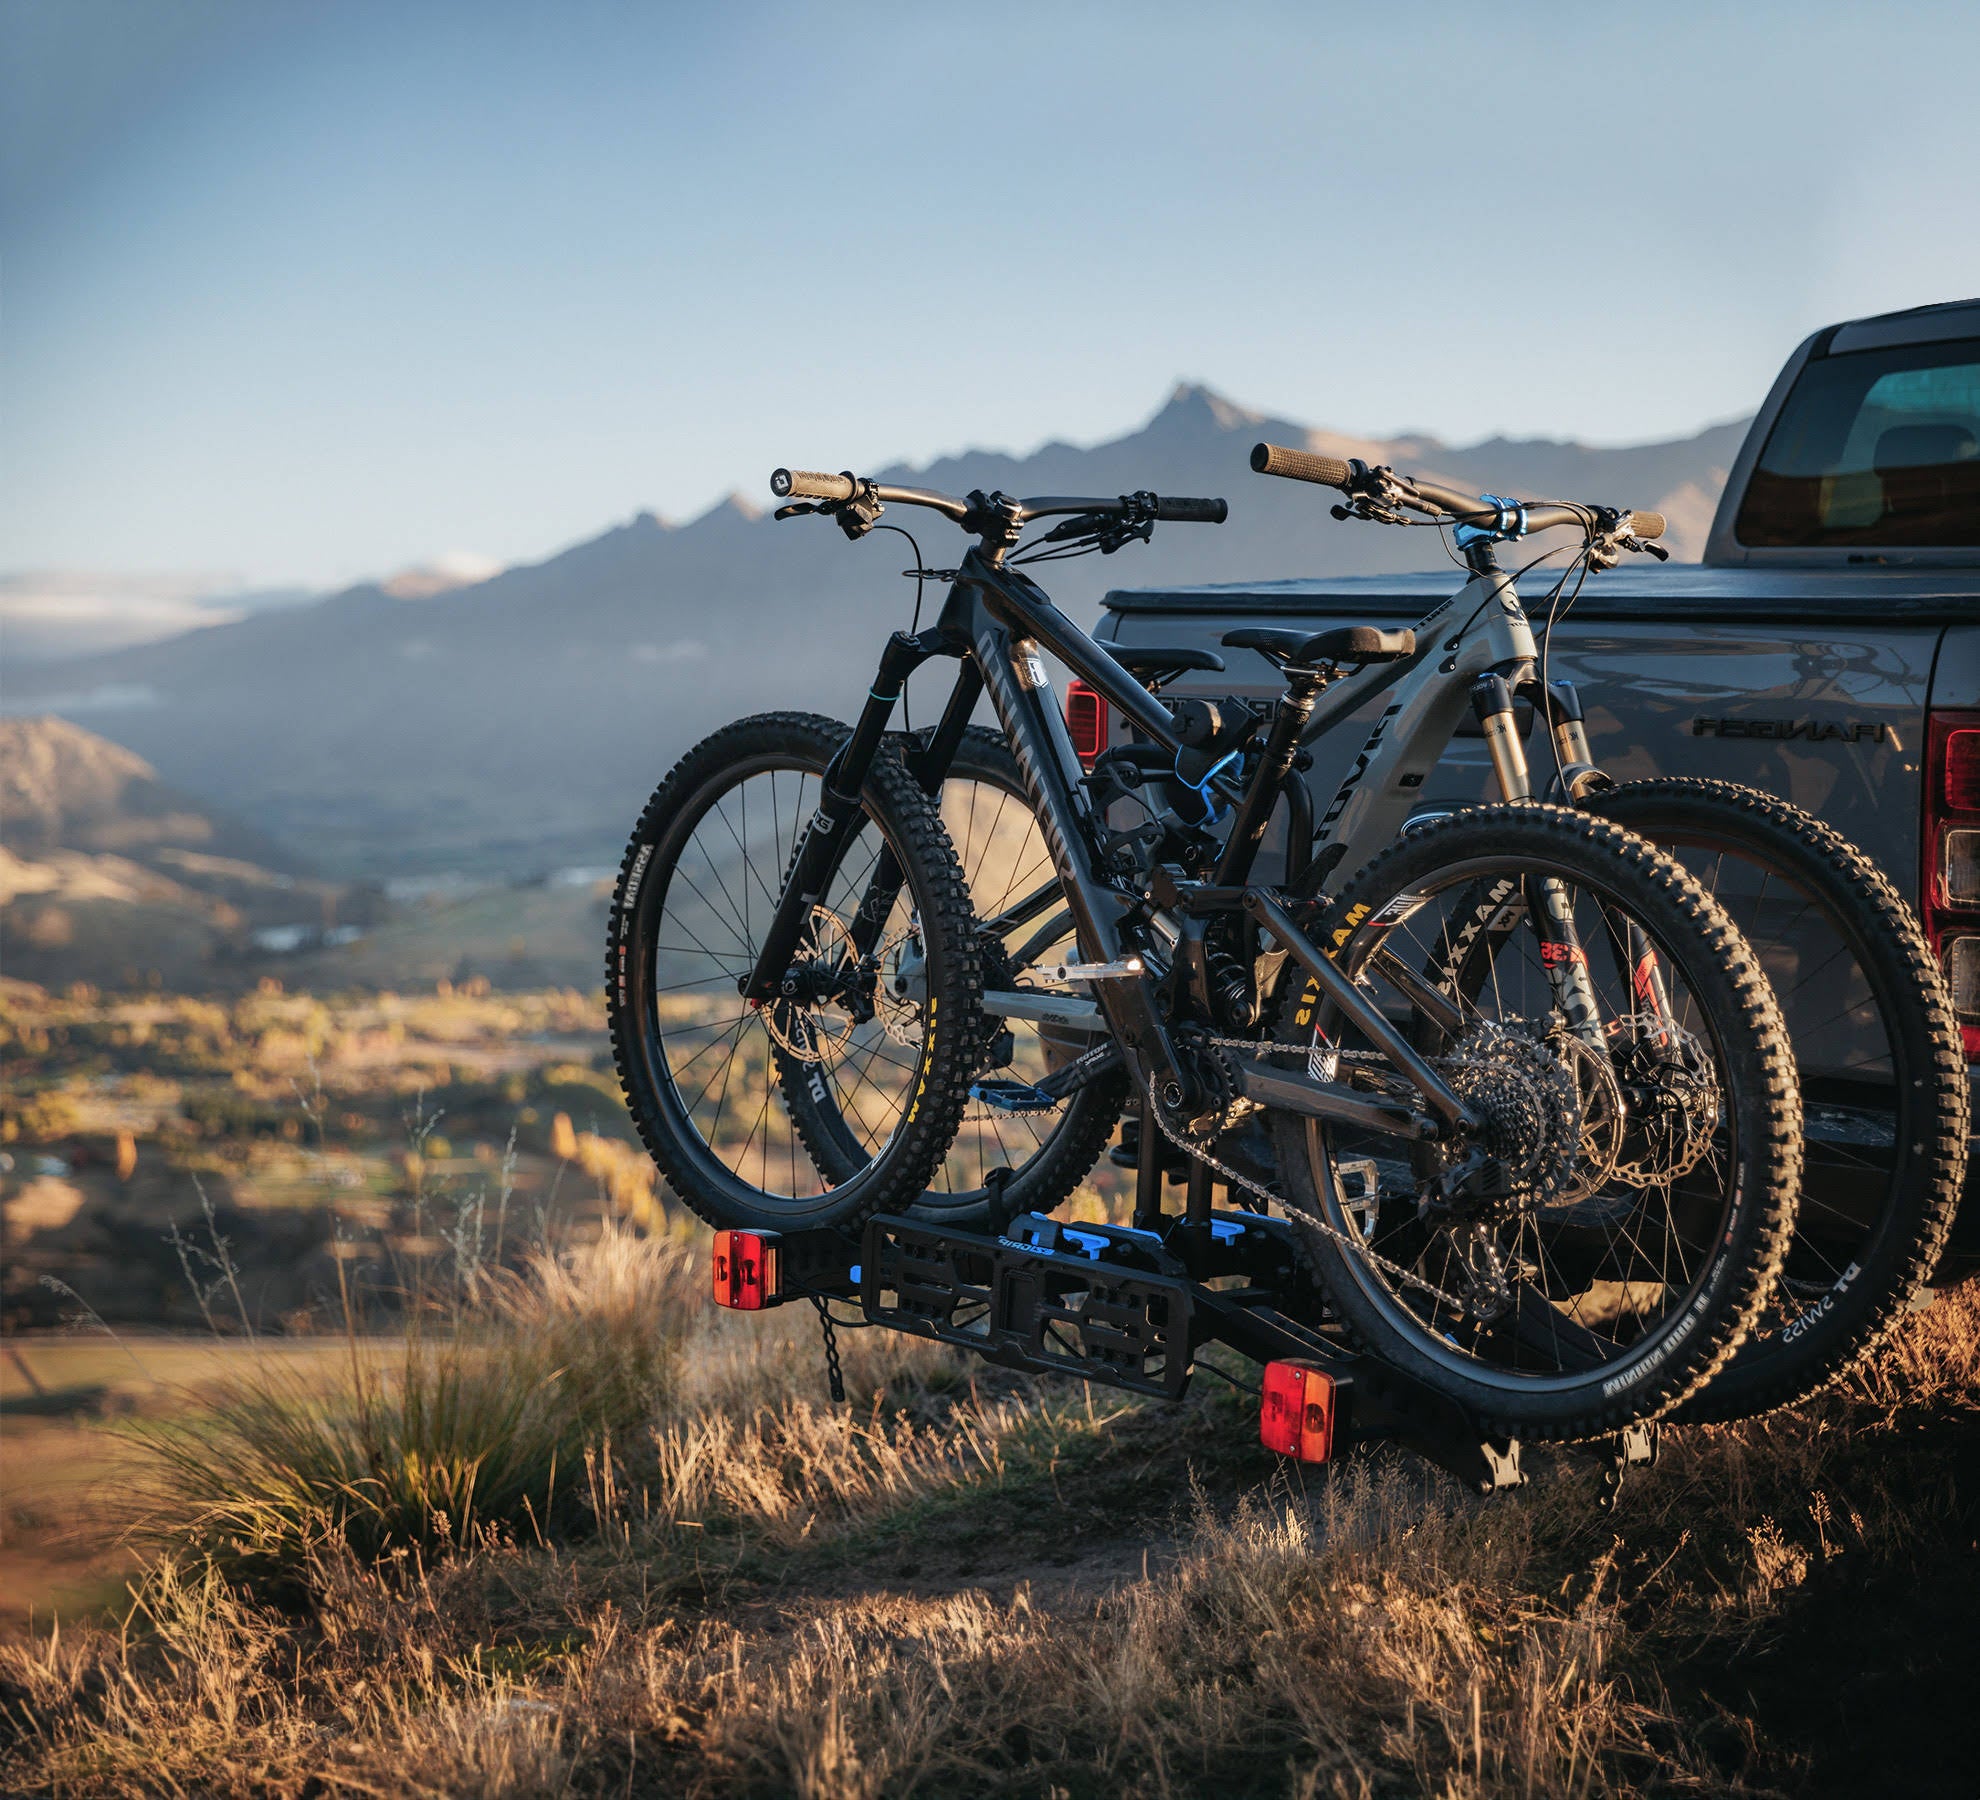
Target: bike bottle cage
(1214, 808)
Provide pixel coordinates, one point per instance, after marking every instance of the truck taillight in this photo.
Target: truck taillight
(1949, 845)
(745, 1264)
(1086, 719)
(1296, 1411)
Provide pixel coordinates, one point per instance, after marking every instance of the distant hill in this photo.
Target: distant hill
(108, 875)
(516, 724)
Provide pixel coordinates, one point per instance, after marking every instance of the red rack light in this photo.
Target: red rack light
(1296, 1412)
(745, 1264)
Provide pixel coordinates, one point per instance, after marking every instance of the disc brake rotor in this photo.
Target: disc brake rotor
(901, 996)
(816, 1029)
(1674, 1099)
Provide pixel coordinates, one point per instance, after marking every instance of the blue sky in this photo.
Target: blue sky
(302, 292)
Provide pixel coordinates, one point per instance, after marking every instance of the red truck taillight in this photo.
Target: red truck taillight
(1086, 720)
(1949, 890)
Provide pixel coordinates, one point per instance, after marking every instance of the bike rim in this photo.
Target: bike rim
(1618, 1271)
(713, 1055)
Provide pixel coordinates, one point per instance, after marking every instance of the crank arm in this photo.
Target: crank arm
(1127, 967)
(1102, 1059)
(1044, 1009)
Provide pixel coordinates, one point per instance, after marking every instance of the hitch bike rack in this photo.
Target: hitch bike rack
(1127, 1306)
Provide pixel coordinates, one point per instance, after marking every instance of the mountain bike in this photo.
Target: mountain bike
(1602, 1134)
(1881, 1066)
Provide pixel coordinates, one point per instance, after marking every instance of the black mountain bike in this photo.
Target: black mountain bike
(1603, 1132)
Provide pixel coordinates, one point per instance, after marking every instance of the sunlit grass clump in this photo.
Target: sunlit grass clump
(490, 1420)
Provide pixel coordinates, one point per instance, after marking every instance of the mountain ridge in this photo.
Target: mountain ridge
(521, 719)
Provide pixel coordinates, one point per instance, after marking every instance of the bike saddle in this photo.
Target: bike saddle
(1343, 644)
(1154, 663)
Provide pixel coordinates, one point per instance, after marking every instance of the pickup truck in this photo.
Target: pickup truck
(1827, 649)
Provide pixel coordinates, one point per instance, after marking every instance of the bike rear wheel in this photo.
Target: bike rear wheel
(1880, 1062)
(884, 1031)
(1646, 1145)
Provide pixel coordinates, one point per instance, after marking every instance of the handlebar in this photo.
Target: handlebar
(1424, 495)
(1191, 512)
(808, 484)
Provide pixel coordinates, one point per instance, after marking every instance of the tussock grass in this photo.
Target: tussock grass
(1371, 1632)
(497, 1419)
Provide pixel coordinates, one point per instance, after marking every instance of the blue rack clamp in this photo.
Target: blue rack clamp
(1205, 790)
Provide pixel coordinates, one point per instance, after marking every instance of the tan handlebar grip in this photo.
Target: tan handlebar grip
(808, 484)
(1647, 524)
(1299, 465)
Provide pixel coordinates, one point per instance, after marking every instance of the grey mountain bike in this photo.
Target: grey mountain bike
(1600, 1133)
(1880, 1063)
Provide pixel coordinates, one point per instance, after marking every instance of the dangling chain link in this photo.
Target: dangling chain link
(834, 1375)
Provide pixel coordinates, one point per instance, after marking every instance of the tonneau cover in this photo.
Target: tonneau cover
(1674, 591)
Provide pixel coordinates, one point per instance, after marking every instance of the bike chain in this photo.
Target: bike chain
(1261, 1191)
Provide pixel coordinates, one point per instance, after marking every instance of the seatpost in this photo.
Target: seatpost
(1255, 810)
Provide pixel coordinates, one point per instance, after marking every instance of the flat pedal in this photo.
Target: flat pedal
(1013, 1096)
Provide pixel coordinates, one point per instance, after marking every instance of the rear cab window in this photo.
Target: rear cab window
(1873, 448)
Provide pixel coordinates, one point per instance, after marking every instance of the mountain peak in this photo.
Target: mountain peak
(1192, 406)
(731, 509)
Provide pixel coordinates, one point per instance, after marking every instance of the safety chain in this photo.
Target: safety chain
(834, 1374)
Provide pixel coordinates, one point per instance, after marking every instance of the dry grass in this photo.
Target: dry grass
(732, 1624)
(498, 1418)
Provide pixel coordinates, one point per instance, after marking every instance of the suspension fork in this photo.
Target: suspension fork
(824, 840)
(1547, 901)
(1580, 778)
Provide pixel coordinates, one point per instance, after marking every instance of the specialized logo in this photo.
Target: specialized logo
(1361, 762)
(1808, 731)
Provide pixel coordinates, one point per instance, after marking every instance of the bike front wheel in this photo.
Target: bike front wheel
(1597, 1249)
(882, 1017)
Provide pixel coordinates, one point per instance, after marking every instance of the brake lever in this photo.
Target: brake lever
(856, 517)
(1647, 547)
(1372, 493)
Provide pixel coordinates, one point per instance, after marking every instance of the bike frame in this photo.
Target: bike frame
(996, 621)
